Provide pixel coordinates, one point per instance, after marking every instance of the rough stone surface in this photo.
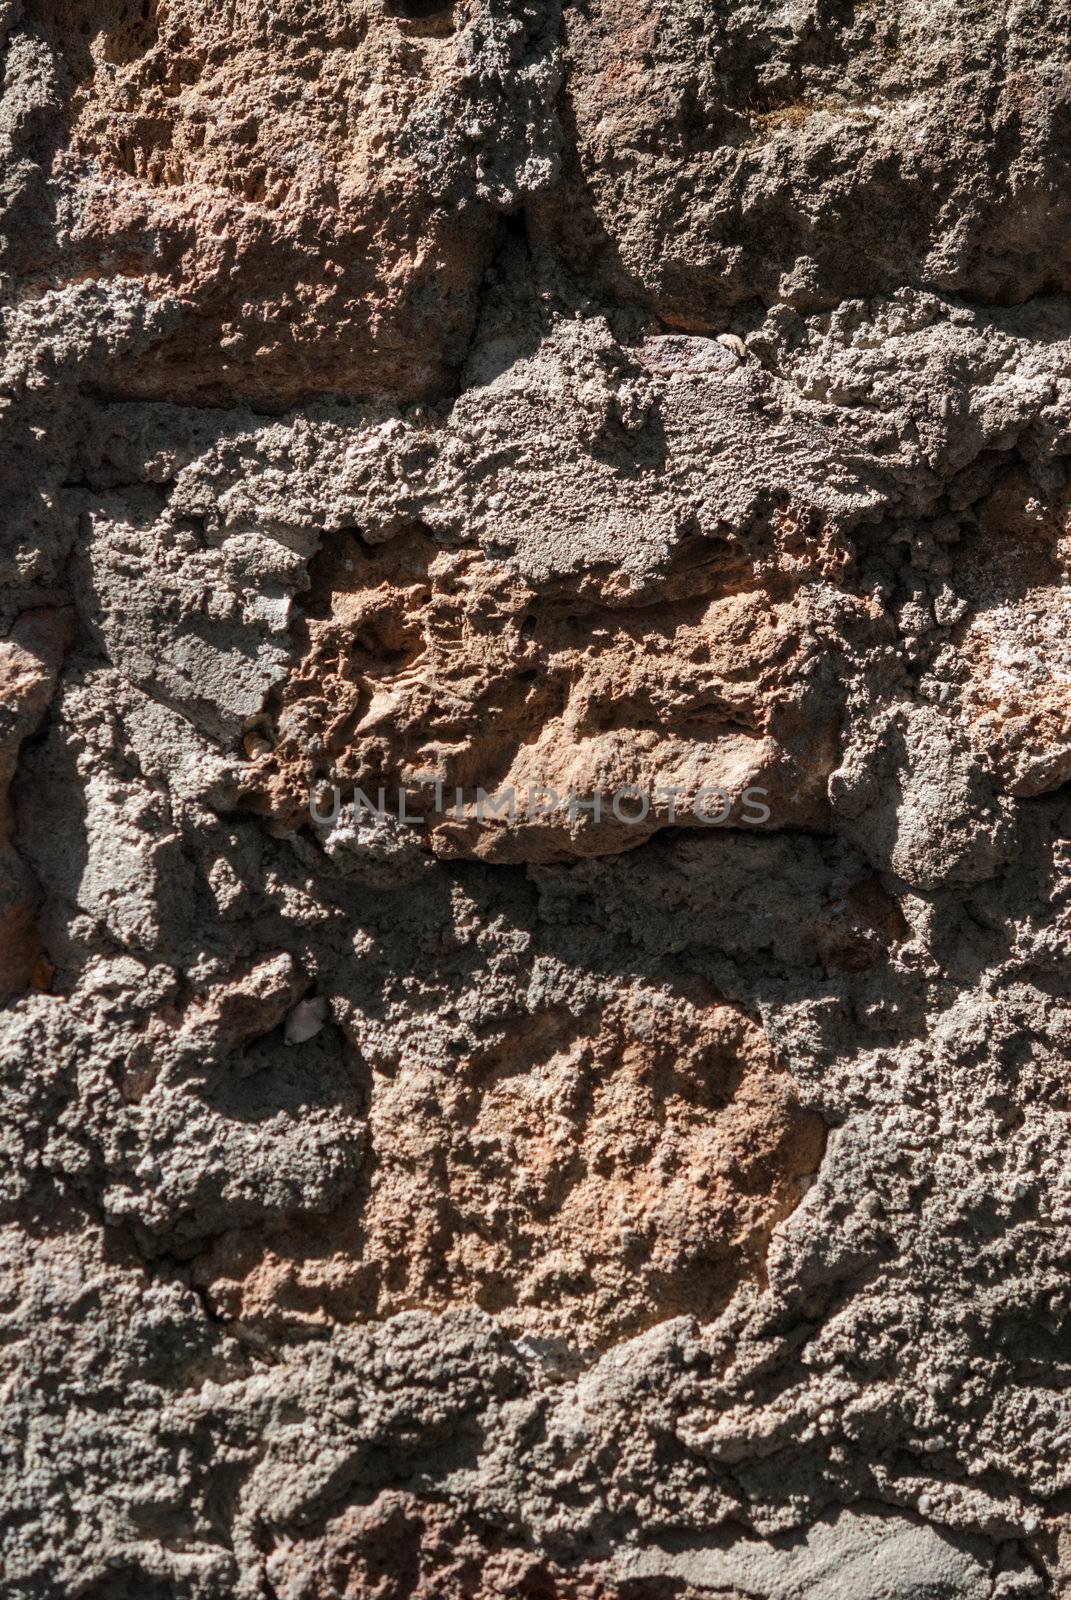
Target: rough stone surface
(420, 1199)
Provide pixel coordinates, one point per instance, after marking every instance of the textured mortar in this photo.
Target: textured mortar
(594, 396)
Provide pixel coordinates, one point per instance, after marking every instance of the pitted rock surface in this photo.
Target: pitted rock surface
(424, 1196)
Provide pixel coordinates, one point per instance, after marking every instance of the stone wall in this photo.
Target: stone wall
(501, 426)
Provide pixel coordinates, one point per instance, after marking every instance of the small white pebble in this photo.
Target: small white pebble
(306, 1019)
(255, 745)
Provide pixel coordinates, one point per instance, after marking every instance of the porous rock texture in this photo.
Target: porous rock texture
(420, 1201)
